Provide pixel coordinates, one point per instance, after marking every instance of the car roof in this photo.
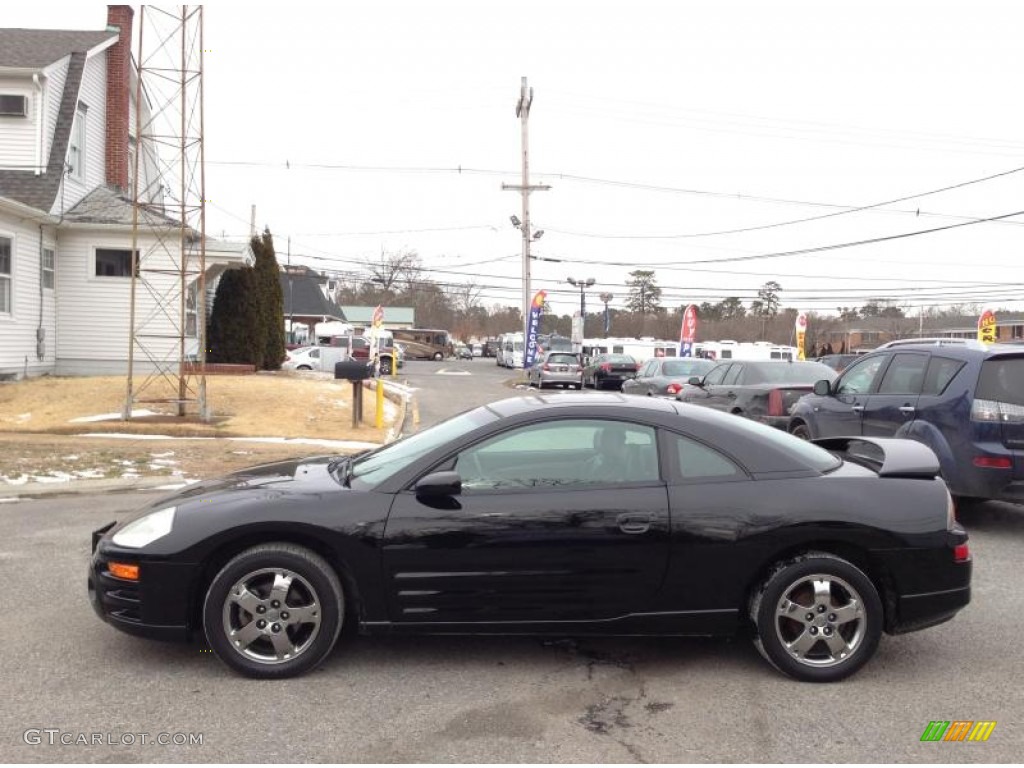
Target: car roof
(964, 349)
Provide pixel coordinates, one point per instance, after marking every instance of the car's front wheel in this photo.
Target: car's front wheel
(818, 618)
(438, 356)
(274, 611)
(802, 431)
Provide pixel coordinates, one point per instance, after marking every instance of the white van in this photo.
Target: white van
(512, 346)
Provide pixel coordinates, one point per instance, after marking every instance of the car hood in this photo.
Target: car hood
(296, 477)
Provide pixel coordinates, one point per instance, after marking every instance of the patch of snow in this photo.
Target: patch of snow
(358, 444)
(72, 457)
(90, 474)
(19, 480)
(163, 455)
(53, 477)
(112, 416)
(9, 499)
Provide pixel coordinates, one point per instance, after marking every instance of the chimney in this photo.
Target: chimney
(119, 61)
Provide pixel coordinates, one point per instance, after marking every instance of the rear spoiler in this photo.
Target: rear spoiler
(889, 457)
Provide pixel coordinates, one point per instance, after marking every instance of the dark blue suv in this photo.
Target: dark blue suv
(963, 399)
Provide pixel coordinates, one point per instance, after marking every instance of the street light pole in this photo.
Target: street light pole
(606, 297)
(583, 285)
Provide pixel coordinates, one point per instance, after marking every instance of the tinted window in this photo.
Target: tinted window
(733, 375)
(1002, 379)
(904, 376)
(698, 462)
(617, 359)
(685, 367)
(856, 380)
(563, 359)
(802, 452)
(941, 371)
(651, 369)
(715, 375)
(561, 453)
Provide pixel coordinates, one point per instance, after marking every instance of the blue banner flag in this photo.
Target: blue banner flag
(532, 328)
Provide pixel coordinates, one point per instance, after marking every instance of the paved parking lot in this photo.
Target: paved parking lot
(487, 699)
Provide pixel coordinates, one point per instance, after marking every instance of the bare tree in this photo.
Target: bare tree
(391, 270)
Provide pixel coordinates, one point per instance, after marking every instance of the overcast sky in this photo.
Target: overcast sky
(661, 127)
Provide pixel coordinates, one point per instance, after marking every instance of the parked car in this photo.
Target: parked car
(577, 514)
(302, 359)
(478, 350)
(608, 370)
(561, 368)
(462, 352)
(665, 376)
(761, 390)
(961, 398)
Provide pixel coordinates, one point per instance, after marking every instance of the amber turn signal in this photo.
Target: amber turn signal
(124, 571)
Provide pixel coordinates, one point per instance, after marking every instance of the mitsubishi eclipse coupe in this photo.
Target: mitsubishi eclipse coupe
(562, 515)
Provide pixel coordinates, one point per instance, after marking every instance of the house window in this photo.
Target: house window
(5, 275)
(76, 152)
(191, 317)
(115, 262)
(49, 261)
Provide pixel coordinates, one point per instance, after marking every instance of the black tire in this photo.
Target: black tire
(313, 591)
(385, 366)
(303, 368)
(845, 621)
(802, 431)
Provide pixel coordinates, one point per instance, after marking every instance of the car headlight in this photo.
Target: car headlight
(145, 530)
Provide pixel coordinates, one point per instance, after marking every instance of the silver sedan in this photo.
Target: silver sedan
(557, 368)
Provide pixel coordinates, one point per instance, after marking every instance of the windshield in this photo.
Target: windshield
(378, 466)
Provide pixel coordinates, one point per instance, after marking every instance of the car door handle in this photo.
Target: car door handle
(907, 409)
(857, 409)
(634, 522)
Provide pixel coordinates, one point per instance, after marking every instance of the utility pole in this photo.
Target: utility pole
(291, 293)
(523, 113)
(252, 221)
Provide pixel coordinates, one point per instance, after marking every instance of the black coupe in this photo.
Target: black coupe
(563, 515)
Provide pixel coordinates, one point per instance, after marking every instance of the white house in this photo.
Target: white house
(67, 146)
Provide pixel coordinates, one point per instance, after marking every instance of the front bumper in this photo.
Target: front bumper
(155, 606)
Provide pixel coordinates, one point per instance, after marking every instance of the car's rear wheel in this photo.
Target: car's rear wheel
(385, 365)
(801, 431)
(303, 368)
(274, 611)
(818, 618)
(438, 356)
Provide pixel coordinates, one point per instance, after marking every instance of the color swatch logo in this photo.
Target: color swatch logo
(958, 730)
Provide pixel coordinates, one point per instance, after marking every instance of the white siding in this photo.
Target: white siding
(18, 135)
(18, 347)
(56, 77)
(94, 313)
(92, 94)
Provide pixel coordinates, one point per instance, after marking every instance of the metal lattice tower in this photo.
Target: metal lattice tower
(167, 346)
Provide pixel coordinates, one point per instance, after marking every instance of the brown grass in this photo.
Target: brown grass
(264, 405)
(38, 438)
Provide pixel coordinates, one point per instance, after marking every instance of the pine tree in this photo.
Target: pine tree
(231, 337)
(269, 328)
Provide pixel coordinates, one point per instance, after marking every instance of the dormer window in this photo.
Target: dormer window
(76, 150)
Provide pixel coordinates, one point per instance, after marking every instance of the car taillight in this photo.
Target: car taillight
(638, 366)
(674, 388)
(775, 403)
(993, 410)
(606, 367)
(545, 367)
(961, 553)
(993, 462)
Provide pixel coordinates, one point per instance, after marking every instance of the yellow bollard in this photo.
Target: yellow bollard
(380, 404)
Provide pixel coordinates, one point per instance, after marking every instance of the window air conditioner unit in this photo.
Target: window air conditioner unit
(13, 105)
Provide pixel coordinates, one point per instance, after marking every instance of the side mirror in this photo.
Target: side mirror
(438, 485)
(695, 381)
(823, 387)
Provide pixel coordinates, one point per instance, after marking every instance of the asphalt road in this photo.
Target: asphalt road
(486, 699)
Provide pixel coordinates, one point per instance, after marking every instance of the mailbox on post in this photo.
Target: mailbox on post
(356, 371)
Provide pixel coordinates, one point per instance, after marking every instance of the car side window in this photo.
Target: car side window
(715, 375)
(567, 453)
(733, 375)
(696, 461)
(941, 371)
(650, 369)
(905, 375)
(856, 380)
(314, 353)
